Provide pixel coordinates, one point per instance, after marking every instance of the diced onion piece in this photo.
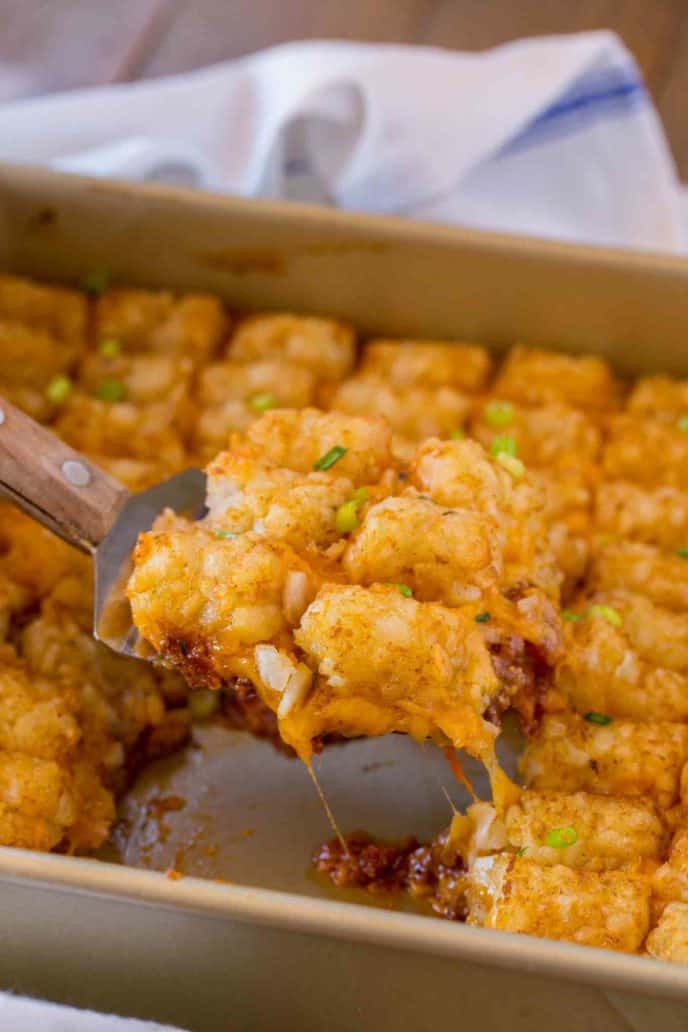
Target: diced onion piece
(296, 595)
(489, 833)
(296, 690)
(274, 668)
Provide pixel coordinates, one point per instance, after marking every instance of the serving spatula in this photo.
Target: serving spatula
(91, 510)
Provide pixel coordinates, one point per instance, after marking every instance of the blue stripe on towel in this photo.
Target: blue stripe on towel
(611, 92)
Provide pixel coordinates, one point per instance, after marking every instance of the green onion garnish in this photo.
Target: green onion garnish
(521, 851)
(560, 838)
(568, 614)
(607, 613)
(499, 413)
(503, 445)
(682, 553)
(96, 282)
(403, 589)
(110, 348)
(262, 402)
(457, 434)
(682, 424)
(328, 460)
(225, 534)
(511, 464)
(483, 617)
(346, 517)
(58, 389)
(598, 718)
(111, 390)
(203, 702)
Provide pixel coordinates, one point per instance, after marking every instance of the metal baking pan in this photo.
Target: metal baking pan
(250, 939)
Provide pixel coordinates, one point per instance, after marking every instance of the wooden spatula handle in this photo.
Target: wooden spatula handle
(55, 484)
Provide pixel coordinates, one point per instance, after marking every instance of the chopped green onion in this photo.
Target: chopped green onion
(499, 413)
(503, 445)
(96, 282)
(225, 534)
(511, 465)
(262, 402)
(110, 348)
(403, 589)
(608, 613)
(560, 838)
(111, 390)
(568, 614)
(682, 424)
(682, 553)
(598, 718)
(203, 702)
(58, 389)
(328, 460)
(521, 851)
(483, 617)
(457, 434)
(346, 517)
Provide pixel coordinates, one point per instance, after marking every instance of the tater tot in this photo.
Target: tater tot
(427, 363)
(536, 377)
(325, 347)
(609, 909)
(192, 325)
(623, 758)
(646, 451)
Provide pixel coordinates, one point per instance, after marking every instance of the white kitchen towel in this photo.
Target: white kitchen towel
(555, 136)
(20, 1014)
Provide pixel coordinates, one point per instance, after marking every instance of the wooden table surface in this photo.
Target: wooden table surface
(48, 45)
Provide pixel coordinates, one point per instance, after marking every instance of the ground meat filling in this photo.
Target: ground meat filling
(426, 872)
(525, 675)
(243, 710)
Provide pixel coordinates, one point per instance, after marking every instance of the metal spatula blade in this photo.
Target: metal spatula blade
(86, 507)
(112, 622)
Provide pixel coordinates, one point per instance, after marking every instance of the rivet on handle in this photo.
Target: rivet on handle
(77, 473)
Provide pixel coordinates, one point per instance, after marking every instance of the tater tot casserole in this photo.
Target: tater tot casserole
(408, 536)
